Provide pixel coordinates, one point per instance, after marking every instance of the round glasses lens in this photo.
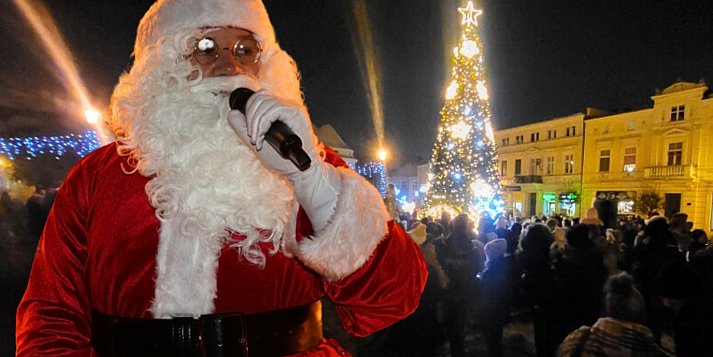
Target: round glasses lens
(206, 50)
(247, 50)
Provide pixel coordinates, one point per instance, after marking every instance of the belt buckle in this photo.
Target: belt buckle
(223, 335)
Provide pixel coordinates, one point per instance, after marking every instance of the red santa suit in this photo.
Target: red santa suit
(124, 239)
(99, 249)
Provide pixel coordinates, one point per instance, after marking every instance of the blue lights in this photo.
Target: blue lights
(369, 170)
(30, 147)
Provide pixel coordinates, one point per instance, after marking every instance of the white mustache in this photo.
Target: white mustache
(223, 86)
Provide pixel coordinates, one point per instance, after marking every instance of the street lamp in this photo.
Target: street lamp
(92, 116)
(382, 155)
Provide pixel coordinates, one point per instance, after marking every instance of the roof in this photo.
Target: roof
(681, 86)
(329, 137)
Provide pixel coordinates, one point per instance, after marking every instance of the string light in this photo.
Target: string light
(29, 148)
(369, 170)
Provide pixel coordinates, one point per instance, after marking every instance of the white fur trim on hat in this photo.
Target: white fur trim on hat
(346, 243)
(167, 17)
(168, 24)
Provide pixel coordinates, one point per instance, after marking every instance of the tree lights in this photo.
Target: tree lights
(463, 175)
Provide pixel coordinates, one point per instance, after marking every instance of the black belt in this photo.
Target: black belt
(269, 334)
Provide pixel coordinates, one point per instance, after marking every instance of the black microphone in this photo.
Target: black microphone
(279, 136)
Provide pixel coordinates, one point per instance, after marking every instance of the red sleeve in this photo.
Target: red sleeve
(53, 318)
(385, 289)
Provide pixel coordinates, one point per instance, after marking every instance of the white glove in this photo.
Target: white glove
(316, 188)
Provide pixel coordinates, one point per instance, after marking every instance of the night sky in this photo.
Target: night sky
(545, 58)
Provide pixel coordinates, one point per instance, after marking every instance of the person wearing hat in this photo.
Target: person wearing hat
(621, 331)
(591, 216)
(496, 289)
(189, 235)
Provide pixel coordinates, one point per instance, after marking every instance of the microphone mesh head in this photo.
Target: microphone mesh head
(239, 98)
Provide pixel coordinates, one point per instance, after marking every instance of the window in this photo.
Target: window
(534, 137)
(571, 131)
(518, 167)
(552, 134)
(675, 152)
(503, 169)
(506, 141)
(569, 164)
(519, 139)
(550, 165)
(629, 160)
(604, 156)
(534, 166)
(677, 113)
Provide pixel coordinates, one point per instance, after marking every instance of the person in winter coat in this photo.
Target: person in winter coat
(495, 295)
(621, 332)
(683, 292)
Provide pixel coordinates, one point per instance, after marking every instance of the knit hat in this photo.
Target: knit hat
(591, 216)
(678, 280)
(496, 248)
(418, 233)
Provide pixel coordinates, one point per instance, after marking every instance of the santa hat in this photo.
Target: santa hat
(166, 17)
(169, 18)
(591, 216)
(418, 233)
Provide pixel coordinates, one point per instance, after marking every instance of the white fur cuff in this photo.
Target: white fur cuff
(353, 232)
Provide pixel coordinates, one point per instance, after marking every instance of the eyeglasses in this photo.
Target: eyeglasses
(247, 50)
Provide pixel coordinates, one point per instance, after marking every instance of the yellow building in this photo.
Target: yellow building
(605, 160)
(663, 149)
(540, 166)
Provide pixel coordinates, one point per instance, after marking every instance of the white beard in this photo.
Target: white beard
(207, 183)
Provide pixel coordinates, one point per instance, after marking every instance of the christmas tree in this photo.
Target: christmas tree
(463, 175)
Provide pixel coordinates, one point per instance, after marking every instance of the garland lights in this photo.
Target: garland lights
(370, 169)
(463, 176)
(30, 147)
(82, 144)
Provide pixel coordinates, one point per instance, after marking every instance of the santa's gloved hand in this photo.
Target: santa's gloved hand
(316, 188)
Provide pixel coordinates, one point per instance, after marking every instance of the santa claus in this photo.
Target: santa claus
(188, 236)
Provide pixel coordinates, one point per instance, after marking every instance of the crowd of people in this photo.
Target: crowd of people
(25, 219)
(588, 290)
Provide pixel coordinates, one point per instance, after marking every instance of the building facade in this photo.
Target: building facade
(664, 149)
(603, 160)
(540, 166)
(410, 181)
